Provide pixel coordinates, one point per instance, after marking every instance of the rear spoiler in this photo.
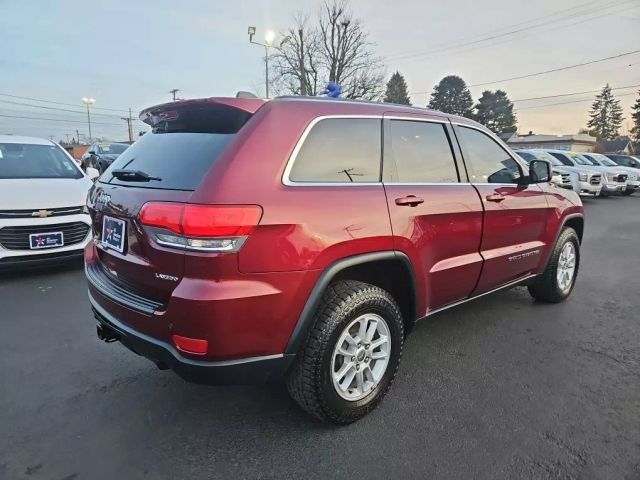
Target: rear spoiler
(204, 115)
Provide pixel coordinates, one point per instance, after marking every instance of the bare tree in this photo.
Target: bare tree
(337, 50)
(297, 60)
(347, 53)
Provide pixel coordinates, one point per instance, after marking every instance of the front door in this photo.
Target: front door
(515, 215)
(436, 219)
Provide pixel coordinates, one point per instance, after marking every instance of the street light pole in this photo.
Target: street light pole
(268, 42)
(89, 101)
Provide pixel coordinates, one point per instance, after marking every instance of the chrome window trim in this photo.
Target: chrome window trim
(292, 158)
(294, 154)
(501, 144)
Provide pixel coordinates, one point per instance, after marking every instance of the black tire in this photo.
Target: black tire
(626, 193)
(546, 288)
(310, 380)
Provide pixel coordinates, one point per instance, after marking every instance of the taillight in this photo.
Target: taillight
(217, 228)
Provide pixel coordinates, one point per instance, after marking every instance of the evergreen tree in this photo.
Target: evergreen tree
(397, 90)
(451, 95)
(605, 115)
(495, 111)
(635, 130)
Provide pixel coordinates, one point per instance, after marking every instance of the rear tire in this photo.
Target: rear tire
(556, 283)
(316, 380)
(626, 193)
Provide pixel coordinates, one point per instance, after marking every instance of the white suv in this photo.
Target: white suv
(43, 216)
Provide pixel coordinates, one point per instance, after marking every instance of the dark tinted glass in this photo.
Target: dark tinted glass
(563, 159)
(340, 150)
(625, 160)
(421, 152)
(112, 148)
(489, 162)
(180, 159)
(526, 156)
(19, 160)
(590, 160)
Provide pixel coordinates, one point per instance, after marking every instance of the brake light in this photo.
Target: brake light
(200, 227)
(163, 215)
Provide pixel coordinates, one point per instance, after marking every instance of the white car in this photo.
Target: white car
(633, 174)
(43, 191)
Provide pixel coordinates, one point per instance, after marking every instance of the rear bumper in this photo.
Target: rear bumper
(252, 370)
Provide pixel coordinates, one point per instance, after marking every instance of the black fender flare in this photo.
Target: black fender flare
(305, 321)
(562, 225)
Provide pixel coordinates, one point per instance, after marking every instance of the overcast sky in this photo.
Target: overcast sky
(130, 54)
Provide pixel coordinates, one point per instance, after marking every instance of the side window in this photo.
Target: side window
(340, 150)
(563, 159)
(488, 161)
(421, 152)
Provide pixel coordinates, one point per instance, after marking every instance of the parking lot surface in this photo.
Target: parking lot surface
(498, 388)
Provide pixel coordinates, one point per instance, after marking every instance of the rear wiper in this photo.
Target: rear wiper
(133, 176)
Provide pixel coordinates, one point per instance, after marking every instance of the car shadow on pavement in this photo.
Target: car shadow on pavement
(15, 273)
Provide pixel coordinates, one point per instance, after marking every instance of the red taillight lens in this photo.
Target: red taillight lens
(190, 345)
(220, 220)
(163, 215)
(201, 227)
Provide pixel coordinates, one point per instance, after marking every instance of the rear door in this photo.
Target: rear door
(185, 143)
(515, 215)
(436, 218)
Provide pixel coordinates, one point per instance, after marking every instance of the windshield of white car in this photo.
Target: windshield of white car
(590, 160)
(578, 159)
(542, 155)
(19, 160)
(607, 162)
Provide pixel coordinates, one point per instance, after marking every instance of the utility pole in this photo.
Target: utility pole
(77, 136)
(174, 91)
(129, 120)
(87, 102)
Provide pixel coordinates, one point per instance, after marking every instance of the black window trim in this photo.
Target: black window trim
(446, 127)
(286, 180)
(524, 169)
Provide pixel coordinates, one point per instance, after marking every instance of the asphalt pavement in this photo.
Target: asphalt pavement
(499, 388)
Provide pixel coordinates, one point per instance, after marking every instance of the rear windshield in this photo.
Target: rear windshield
(18, 160)
(112, 148)
(179, 159)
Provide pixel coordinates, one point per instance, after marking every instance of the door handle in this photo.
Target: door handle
(495, 197)
(409, 200)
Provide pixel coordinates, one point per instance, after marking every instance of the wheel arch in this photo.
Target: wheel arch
(390, 270)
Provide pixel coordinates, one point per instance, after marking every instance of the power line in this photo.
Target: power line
(123, 110)
(59, 120)
(56, 108)
(568, 67)
(566, 103)
(565, 15)
(570, 94)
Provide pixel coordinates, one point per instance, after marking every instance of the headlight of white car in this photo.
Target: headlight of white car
(583, 177)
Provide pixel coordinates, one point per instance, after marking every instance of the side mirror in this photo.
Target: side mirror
(92, 173)
(539, 171)
(91, 152)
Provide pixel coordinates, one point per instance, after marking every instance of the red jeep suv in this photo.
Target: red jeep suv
(245, 240)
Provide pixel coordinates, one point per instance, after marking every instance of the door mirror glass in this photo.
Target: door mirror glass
(92, 173)
(91, 152)
(539, 171)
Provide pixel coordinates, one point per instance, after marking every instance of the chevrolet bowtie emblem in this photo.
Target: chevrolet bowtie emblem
(42, 213)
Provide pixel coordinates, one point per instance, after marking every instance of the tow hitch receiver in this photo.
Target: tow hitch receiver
(107, 334)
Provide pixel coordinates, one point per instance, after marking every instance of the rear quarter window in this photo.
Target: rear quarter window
(339, 150)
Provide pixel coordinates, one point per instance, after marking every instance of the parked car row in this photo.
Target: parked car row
(592, 174)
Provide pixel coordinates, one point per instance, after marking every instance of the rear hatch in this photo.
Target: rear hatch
(164, 165)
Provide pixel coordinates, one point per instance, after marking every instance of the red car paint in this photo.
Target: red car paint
(459, 241)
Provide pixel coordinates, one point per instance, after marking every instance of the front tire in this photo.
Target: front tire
(352, 354)
(558, 279)
(626, 193)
